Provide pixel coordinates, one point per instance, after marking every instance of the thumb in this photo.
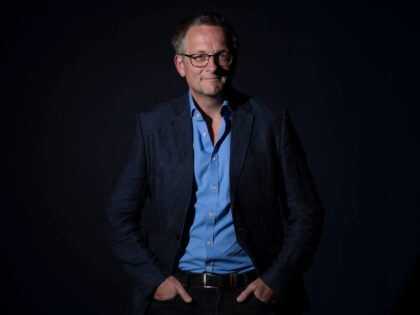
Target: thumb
(244, 294)
(184, 294)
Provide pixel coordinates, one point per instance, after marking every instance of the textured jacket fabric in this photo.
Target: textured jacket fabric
(276, 211)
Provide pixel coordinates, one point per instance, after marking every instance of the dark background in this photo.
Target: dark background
(74, 74)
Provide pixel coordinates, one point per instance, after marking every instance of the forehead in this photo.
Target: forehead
(206, 38)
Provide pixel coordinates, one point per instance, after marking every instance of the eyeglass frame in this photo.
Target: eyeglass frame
(208, 58)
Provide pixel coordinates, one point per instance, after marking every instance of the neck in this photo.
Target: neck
(209, 105)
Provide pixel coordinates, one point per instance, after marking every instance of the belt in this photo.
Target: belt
(210, 280)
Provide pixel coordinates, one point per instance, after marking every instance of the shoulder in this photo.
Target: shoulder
(160, 112)
(170, 107)
(272, 114)
(268, 111)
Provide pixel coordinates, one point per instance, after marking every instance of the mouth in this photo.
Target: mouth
(212, 79)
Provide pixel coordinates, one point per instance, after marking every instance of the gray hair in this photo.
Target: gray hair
(210, 18)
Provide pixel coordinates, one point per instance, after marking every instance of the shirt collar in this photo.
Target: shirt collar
(225, 108)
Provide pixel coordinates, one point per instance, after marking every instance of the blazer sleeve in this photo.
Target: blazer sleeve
(302, 208)
(123, 213)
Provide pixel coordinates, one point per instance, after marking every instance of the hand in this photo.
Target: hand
(169, 288)
(261, 291)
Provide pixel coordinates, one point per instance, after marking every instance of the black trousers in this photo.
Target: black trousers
(214, 301)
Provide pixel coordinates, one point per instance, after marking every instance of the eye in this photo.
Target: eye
(224, 56)
(199, 58)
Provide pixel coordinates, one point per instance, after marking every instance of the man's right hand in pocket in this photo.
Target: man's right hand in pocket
(169, 288)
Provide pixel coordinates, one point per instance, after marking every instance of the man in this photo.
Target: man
(234, 218)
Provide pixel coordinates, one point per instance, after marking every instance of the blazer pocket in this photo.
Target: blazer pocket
(175, 299)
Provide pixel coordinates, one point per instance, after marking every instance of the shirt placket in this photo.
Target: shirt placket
(214, 182)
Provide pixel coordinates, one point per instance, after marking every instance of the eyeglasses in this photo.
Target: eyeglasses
(223, 59)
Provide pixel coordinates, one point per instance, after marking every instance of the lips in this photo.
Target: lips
(212, 78)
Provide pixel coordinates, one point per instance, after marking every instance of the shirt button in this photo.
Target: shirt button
(208, 267)
(208, 242)
(211, 213)
(204, 134)
(198, 115)
(213, 187)
(213, 158)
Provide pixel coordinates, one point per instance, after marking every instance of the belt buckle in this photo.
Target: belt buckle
(205, 274)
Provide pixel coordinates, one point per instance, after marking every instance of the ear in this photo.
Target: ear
(179, 64)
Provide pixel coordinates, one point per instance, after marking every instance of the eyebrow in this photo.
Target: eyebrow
(205, 52)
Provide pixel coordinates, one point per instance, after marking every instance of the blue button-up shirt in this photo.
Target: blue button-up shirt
(212, 245)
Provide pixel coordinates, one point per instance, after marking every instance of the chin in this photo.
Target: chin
(215, 91)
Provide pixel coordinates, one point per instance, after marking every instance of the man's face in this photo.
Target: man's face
(213, 78)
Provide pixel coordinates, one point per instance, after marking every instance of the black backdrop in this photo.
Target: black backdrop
(74, 74)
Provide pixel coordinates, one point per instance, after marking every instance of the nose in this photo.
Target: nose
(211, 65)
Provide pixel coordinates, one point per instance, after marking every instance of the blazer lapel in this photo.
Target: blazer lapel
(242, 121)
(181, 131)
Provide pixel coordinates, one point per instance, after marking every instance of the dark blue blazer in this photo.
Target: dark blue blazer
(276, 210)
